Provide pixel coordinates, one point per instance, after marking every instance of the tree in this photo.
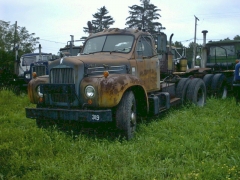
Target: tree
(143, 16)
(10, 36)
(237, 37)
(101, 21)
(178, 44)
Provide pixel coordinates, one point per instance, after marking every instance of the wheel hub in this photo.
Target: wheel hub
(133, 119)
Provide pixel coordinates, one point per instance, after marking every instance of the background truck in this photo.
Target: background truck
(29, 63)
(17, 79)
(216, 66)
(117, 78)
(71, 49)
(67, 51)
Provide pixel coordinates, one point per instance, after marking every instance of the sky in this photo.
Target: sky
(53, 21)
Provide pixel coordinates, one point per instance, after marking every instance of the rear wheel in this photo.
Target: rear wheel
(182, 88)
(208, 81)
(126, 115)
(219, 86)
(196, 92)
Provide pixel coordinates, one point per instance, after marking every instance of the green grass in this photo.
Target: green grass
(185, 143)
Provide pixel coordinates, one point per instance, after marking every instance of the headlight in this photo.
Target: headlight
(39, 92)
(27, 76)
(90, 91)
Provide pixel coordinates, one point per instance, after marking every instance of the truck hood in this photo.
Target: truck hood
(103, 58)
(95, 64)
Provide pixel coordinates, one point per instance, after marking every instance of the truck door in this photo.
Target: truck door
(147, 63)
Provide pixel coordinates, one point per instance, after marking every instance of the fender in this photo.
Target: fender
(110, 90)
(32, 87)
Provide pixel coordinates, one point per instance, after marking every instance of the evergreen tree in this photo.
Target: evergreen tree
(101, 21)
(237, 37)
(144, 16)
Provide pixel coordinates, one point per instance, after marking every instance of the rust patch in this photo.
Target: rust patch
(109, 90)
(113, 88)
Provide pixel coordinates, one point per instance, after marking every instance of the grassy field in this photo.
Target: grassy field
(185, 143)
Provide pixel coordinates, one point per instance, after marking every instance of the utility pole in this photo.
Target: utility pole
(15, 35)
(194, 45)
(15, 48)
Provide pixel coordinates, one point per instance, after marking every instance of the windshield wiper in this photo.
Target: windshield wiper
(86, 53)
(121, 50)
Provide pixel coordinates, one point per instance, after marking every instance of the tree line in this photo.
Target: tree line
(142, 16)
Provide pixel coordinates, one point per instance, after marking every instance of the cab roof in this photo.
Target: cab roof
(127, 31)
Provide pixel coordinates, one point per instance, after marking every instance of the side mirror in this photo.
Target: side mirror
(161, 43)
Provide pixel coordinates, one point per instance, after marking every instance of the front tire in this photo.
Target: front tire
(126, 115)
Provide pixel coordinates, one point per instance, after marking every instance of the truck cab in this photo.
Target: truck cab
(222, 55)
(70, 51)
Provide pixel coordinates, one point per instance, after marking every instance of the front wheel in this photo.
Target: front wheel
(126, 115)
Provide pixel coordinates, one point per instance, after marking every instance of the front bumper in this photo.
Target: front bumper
(70, 114)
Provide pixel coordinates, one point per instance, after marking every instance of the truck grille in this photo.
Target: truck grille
(40, 70)
(62, 76)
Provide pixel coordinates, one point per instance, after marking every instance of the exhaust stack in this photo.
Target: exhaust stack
(170, 55)
(204, 50)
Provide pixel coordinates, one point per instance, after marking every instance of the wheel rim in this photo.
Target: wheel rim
(224, 94)
(133, 116)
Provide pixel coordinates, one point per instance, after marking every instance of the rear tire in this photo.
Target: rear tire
(208, 81)
(126, 115)
(219, 86)
(196, 92)
(182, 88)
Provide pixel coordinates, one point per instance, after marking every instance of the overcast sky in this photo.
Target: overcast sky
(53, 21)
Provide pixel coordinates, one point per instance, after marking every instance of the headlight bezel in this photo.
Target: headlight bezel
(39, 91)
(89, 91)
(28, 76)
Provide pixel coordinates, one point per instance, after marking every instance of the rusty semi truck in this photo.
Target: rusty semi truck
(117, 78)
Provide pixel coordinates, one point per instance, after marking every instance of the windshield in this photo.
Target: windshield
(28, 60)
(116, 43)
(222, 51)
